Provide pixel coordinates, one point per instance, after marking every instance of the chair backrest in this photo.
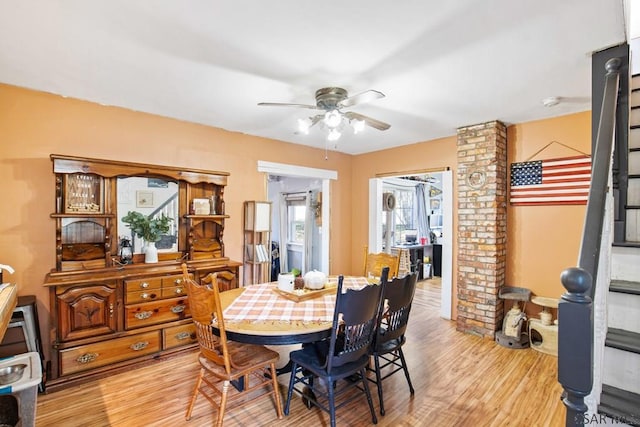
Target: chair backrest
(204, 304)
(354, 322)
(374, 263)
(397, 297)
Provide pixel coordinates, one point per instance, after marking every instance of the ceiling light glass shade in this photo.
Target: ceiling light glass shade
(333, 119)
(334, 135)
(358, 126)
(304, 125)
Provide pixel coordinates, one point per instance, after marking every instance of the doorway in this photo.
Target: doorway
(296, 223)
(291, 179)
(383, 231)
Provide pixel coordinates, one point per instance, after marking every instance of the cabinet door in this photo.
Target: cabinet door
(86, 311)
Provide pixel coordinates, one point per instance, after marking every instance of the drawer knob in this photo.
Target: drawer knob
(140, 345)
(87, 358)
(143, 315)
(177, 281)
(183, 335)
(144, 285)
(178, 291)
(178, 308)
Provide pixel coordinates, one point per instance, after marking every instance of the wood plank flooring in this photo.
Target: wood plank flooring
(460, 380)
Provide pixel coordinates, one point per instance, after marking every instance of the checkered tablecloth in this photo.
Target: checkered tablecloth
(259, 303)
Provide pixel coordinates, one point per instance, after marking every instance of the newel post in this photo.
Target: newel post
(575, 343)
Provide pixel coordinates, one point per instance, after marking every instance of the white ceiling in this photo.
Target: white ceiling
(441, 64)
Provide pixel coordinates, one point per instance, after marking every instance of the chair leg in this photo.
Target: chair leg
(332, 403)
(223, 403)
(195, 394)
(406, 370)
(292, 378)
(276, 391)
(365, 383)
(376, 360)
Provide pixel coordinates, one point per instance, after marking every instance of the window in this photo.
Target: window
(403, 216)
(296, 213)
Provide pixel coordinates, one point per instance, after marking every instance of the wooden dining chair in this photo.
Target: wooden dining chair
(344, 356)
(228, 370)
(388, 358)
(374, 263)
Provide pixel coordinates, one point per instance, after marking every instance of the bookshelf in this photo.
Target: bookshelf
(257, 242)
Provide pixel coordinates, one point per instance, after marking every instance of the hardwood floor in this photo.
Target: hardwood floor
(460, 380)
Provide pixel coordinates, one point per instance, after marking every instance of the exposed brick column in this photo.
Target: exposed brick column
(482, 226)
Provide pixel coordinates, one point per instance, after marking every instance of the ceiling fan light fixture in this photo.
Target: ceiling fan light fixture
(333, 119)
(304, 125)
(334, 135)
(358, 126)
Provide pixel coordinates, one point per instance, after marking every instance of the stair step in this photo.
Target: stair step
(632, 228)
(621, 405)
(634, 115)
(634, 158)
(634, 138)
(623, 307)
(625, 287)
(625, 261)
(623, 340)
(621, 368)
(626, 244)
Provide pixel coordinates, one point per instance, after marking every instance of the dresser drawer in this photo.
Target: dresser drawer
(103, 353)
(151, 313)
(142, 290)
(173, 286)
(177, 336)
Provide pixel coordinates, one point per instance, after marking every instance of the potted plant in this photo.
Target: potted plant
(150, 229)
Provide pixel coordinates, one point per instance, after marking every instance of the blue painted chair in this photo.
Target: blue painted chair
(397, 296)
(344, 356)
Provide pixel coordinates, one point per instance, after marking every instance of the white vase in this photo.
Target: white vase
(151, 253)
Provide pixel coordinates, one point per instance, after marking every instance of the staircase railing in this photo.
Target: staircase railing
(575, 310)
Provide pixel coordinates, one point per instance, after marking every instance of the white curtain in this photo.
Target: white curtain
(422, 213)
(284, 264)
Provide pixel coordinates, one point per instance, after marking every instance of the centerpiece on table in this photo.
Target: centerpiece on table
(150, 229)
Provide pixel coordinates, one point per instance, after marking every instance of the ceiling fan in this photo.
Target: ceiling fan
(331, 100)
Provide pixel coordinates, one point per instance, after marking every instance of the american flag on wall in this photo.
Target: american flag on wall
(563, 181)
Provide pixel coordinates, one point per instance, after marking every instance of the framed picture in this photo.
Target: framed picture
(144, 199)
(435, 204)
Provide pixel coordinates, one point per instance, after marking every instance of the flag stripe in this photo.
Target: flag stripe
(551, 182)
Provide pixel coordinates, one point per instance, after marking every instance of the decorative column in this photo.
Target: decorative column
(482, 226)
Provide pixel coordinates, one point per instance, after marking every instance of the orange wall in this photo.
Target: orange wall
(544, 240)
(439, 153)
(34, 125)
(541, 240)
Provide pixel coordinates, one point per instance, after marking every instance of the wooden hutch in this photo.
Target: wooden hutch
(107, 315)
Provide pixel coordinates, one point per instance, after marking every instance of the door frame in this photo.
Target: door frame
(326, 175)
(375, 231)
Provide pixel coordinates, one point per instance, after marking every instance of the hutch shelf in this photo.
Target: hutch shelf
(109, 314)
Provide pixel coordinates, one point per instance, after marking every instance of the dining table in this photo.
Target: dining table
(260, 314)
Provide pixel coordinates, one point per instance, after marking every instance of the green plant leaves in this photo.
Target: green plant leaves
(149, 229)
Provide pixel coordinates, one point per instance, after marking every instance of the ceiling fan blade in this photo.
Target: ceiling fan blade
(361, 98)
(377, 124)
(280, 104)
